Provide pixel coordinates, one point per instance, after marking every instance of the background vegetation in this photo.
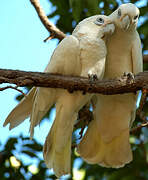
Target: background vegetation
(69, 13)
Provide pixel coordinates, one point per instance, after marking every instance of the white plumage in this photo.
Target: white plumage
(82, 53)
(106, 141)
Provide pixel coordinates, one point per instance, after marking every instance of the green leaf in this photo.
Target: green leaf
(35, 146)
(29, 153)
(77, 7)
(93, 7)
(10, 145)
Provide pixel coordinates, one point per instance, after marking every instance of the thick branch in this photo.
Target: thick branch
(116, 86)
(54, 31)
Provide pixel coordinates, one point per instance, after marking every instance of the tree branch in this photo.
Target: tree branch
(139, 127)
(11, 87)
(115, 86)
(54, 31)
(145, 58)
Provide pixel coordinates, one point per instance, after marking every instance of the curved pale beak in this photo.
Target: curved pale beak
(133, 21)
(121, 18)
(108, 22)
(125, 21)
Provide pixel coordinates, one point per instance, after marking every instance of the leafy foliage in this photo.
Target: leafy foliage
(69, 13)
(12, 166)
(31, 148)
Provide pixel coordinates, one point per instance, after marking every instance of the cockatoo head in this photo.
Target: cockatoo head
(105, 23)
(126, 16)
(97, 26)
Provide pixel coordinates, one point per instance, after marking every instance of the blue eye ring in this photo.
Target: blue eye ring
(99, 21)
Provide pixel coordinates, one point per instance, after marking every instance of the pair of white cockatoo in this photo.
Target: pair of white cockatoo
(106, 46)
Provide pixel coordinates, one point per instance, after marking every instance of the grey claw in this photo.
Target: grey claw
(130, 76)
(92, 77)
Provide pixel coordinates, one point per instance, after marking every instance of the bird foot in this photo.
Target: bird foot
(92, 77)
(130, 77)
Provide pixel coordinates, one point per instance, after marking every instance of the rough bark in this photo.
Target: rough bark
(125, 84)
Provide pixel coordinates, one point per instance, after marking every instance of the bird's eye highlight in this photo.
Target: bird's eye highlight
(119, 12)
(99, 21)
(135, 17)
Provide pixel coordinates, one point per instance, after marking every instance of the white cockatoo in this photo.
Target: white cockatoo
(81, 54)
(106, 141)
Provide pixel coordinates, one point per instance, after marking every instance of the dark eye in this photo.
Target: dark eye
(135, 17)
(100, 21)
(119, 12)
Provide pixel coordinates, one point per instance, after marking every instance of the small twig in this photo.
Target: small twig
(133, 130)
(49, 38)
(143, 99)
(140, 113)
(81, 132)
(84, 118)
(11, 87)
(51, 28)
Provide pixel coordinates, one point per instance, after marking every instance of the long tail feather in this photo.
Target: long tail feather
(94, 150)
(43, 101)
(59, 161)
(57, 147)
(21, 111)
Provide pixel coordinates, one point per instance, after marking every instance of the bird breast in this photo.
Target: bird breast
(91, 51)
